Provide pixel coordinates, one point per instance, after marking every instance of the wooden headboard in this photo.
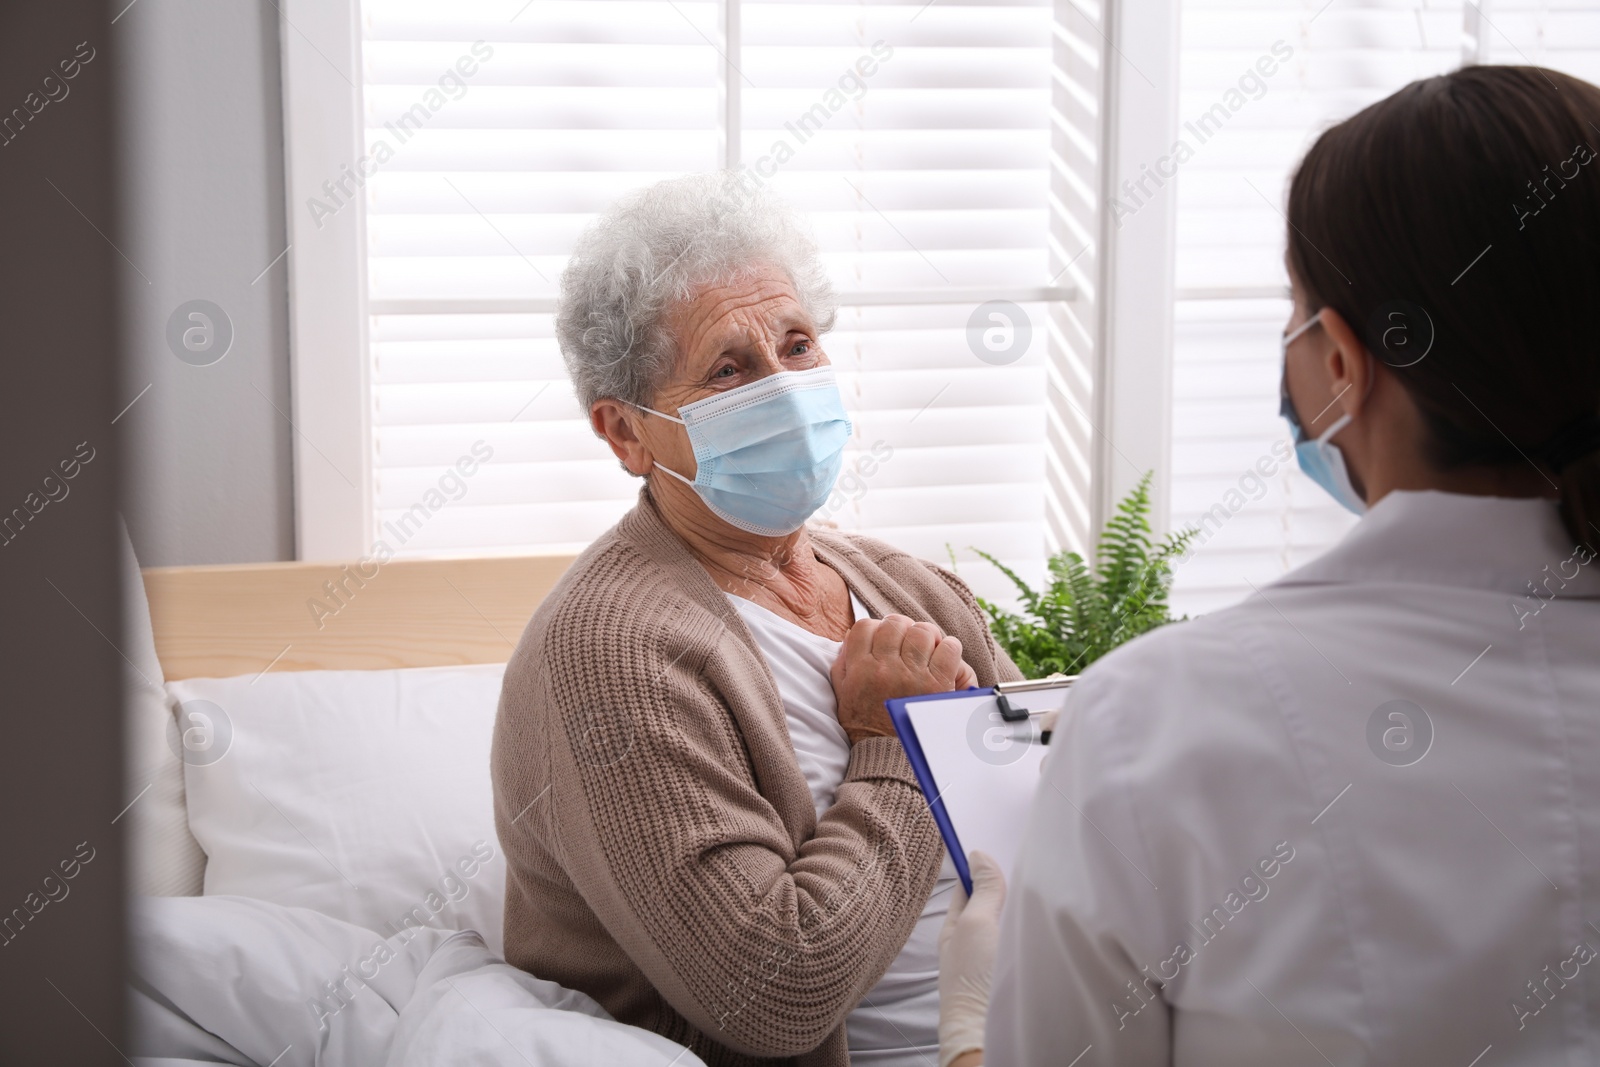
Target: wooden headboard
(220, 621)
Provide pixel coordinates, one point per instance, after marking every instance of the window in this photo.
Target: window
(951, 155)
(972, 158)
(917, 147)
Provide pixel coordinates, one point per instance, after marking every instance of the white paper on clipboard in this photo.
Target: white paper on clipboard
(986, 780)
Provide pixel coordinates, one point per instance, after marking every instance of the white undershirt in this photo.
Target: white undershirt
(897, 1024)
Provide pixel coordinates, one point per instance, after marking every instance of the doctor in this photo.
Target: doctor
(1356, 818)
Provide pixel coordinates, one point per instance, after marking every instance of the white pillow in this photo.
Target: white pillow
(164, 860)
(363, 795)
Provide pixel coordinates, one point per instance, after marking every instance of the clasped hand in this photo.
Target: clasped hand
(892, 657)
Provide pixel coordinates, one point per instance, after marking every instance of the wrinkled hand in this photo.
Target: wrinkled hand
(966, 677)
(967, 945)
(892, 657)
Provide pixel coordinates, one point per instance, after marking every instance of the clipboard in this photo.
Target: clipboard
(977, 755)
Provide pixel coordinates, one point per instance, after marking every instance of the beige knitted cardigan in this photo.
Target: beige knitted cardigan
(663, 853)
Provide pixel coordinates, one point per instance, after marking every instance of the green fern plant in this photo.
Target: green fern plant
(1081, 614)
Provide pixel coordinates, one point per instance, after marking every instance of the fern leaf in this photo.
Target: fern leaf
(1083, 613)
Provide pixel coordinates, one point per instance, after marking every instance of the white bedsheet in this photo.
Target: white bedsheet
(224, 979)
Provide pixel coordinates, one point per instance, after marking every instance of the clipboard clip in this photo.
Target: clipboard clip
(1008, 712)
(1003, 690)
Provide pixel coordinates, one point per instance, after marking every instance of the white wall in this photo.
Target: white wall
(209, 477)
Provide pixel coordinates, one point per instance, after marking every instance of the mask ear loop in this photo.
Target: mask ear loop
(657, 464)
(1325, 439)
(1290, 338)
(1340, 423)
(1346, 419)
(1333, 455)
(653, 411)
(1285, 403)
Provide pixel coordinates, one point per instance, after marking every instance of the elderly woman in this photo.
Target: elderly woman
(709, 824)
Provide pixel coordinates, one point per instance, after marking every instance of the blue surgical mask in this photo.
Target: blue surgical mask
(1319, 458)
(767, 454)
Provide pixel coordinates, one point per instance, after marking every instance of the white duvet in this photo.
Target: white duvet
(226, 979)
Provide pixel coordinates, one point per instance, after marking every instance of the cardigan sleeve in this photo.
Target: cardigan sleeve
(763, 943)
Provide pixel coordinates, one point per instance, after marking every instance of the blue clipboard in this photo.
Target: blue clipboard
(1041, 695)
(919, 765)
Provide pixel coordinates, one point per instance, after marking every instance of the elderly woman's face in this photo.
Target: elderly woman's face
(727, 336)
(733, 334)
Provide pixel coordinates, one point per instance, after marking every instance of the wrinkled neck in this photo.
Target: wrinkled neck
(745, 564)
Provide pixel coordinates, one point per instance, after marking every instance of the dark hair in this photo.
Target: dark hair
(1456, 226)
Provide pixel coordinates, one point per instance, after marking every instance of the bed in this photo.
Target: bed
(314, 868)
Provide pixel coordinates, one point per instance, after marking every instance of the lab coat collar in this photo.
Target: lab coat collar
(1434, 538)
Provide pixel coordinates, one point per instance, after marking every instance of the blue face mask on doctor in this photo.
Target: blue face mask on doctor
(1319, 458)
(767, 453)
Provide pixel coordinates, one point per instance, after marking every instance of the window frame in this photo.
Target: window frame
(330, 378)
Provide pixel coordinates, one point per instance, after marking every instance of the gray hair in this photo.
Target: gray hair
(655, 250)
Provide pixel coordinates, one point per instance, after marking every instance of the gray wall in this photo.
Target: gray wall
(208, 478)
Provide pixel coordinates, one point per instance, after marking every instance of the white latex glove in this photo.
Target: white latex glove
(967, 945)
(1047, 722)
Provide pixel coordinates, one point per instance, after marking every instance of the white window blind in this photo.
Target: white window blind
(1563, 35)
(1232, 290)
(468, 225)
(916, 139)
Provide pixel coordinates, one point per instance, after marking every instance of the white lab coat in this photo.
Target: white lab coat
(1214, 816)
